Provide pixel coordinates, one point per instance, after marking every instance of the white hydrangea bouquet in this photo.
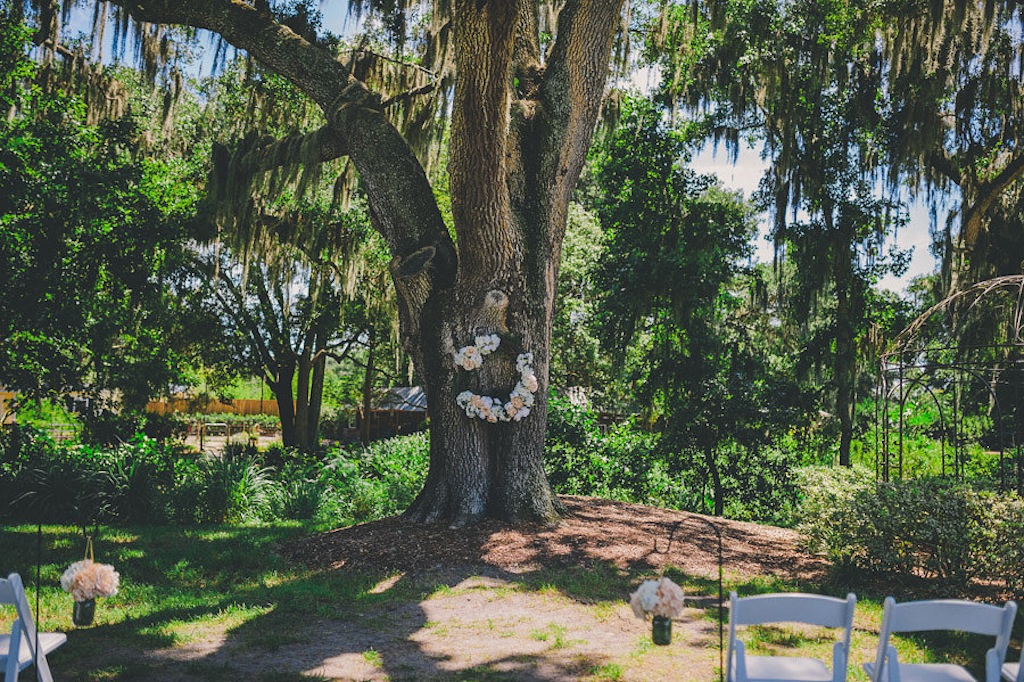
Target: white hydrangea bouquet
(660, 598)
(87, 580)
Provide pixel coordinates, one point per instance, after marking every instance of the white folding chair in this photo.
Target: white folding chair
(1013, 672)
(18, 649)
(811, 609)
(940, 614)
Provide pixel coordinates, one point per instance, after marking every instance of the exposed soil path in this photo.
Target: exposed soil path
(498, 603)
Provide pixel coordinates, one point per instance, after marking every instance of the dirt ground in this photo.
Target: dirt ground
(490, 620)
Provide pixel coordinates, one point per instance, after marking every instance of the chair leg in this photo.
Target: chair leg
(13, 654)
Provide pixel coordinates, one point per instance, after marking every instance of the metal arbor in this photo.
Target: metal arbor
(964, 356)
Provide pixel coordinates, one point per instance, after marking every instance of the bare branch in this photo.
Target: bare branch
(409, 94)
(392, 60)
(570, 96)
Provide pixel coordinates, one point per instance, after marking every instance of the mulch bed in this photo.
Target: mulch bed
(595, 531)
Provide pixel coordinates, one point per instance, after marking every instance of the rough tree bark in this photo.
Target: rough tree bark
(521, 127)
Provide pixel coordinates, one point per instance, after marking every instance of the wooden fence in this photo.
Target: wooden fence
(213, 406)
(5, 398)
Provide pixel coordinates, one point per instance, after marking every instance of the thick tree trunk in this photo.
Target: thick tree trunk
(302, 376)
(513, 168)
(515, 157)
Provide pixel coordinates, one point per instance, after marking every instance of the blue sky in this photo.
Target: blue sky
(746, 173)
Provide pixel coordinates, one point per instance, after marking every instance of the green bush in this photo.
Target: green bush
(140, 476)
(378, 480)
(269, 421)
(929, 527)
(299, 497)
(64, 486)
(623, 464)
(334, 423)
(1006, 549)
(20, 448)
(107, 428)
(164, 427)
(234, 489)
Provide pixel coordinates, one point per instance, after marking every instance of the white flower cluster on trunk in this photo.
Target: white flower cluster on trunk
(488, 408)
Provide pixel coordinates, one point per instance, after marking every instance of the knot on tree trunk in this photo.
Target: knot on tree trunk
(491, 317)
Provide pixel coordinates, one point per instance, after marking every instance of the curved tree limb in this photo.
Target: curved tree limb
(399, 192)
(311, 68)
(989, 192)
(324, 142)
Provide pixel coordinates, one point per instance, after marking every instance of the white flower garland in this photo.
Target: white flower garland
(493, 410)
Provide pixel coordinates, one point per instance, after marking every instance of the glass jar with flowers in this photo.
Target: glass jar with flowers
(661, 599)
(86, 581)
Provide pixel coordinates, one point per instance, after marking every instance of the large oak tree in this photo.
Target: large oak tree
(522, 118)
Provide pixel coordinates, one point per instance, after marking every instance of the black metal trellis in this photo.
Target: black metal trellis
(953, 371)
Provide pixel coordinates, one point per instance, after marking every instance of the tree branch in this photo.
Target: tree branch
(526, 60)
(400, 196)
(941, 162)
(312, 68)
(409, 94)
(484, 36)
(573, 85)
(324, 143)
(252, 329)
(989, 193)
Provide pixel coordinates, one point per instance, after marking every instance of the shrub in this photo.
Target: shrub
(335, 423)
(365, 483)
(21, 448)
(927, 527)
(623, 464)
(140, 477)
(164, 427)
(299, 498)
(186, 498)
(269, 421)
(234, 489)
(300, 491)
(1006, 549)
(826, 515)
(63, 486)
(107, 428)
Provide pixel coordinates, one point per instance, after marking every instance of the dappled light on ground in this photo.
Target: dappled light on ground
(626, 536)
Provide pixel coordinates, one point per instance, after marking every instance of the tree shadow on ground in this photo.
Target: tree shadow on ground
(393, 600)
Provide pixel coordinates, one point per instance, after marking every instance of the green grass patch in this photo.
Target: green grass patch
(186, 585)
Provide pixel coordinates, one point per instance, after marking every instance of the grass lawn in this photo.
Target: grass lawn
(189, 593)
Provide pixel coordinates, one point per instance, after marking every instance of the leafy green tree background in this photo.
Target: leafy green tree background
(91, 238)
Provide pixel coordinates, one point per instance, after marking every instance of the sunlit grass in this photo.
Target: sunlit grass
(181, 586)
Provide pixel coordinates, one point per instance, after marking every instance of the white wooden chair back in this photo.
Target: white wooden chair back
(18, 650)
(945, 614)
(810, 609)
